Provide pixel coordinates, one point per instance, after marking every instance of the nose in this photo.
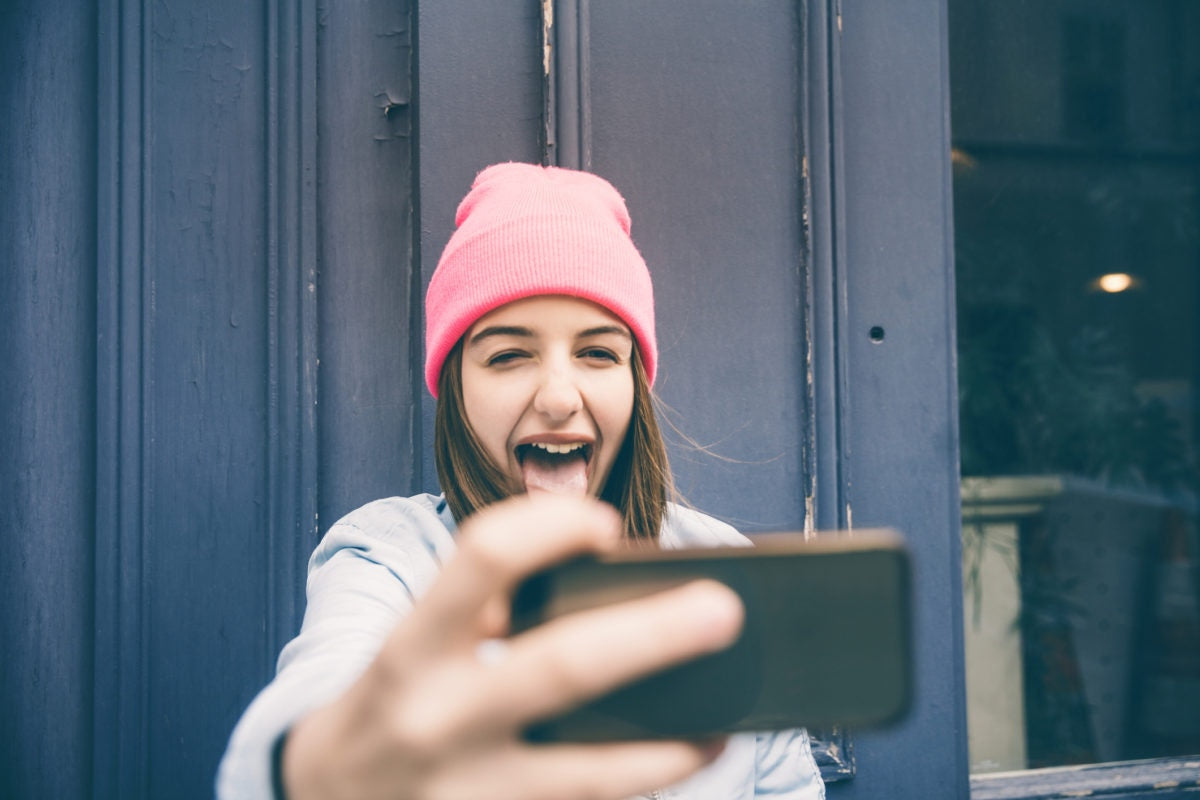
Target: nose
(558, 397)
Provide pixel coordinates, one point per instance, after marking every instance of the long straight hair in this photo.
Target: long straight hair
(638, 485)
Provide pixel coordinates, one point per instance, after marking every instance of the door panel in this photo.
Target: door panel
(196, 535)
(711, 99)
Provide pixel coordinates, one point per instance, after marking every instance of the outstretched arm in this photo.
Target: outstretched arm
(430, 718)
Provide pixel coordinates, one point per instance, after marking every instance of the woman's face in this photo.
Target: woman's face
(548, 388)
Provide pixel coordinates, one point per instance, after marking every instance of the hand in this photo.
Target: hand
(429, 719)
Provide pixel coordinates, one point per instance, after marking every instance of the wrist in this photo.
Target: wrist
(297, 761)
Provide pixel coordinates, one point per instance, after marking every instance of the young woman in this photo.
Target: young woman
(403, 683)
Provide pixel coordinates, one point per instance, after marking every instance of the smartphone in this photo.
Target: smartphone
(826, 639)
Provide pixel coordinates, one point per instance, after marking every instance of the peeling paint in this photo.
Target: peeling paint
(391, 104)
(547, 31)
(810, 445)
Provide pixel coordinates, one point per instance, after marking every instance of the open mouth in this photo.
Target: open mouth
(553, 467)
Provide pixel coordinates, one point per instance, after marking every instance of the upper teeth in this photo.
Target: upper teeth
(557, 449)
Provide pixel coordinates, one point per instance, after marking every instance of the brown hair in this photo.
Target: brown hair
(638, 485)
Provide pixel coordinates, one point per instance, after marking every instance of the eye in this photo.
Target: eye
(602, 354)
(504, 357)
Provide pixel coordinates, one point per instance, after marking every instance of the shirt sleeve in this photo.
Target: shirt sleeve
(365, 575)
(785, 767)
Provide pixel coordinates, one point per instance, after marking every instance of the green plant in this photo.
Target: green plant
(1029, 405)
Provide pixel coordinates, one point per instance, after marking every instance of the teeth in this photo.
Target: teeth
(557, 449)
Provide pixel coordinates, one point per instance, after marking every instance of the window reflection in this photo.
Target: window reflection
(1077, 225)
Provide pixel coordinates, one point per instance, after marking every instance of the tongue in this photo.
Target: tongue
(544, 472)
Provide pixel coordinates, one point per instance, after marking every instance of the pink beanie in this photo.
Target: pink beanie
(525, 230)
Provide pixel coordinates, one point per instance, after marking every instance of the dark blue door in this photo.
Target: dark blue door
(218, 224)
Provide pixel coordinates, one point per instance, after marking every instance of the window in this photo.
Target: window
(1076, 130)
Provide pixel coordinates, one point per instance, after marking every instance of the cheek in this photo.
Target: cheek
(617, 407)
(486, 410)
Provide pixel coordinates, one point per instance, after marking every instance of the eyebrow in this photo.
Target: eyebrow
(501, 330)
(603, 330)
(526, 333)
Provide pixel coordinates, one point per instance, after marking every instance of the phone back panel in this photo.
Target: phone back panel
(826, 638)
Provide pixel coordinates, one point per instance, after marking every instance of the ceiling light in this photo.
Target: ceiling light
(1115, 282)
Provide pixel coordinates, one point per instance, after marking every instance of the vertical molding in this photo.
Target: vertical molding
(550, 155)
(124, 487)
(125, 584)
(421, 415)
(48, 61)
(893, 181)
(566, 42)
(828, 471)
(827, 219)
(291, 201)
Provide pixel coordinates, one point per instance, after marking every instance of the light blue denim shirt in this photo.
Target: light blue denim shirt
(366, 574)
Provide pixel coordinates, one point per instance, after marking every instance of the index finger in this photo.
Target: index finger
(563, 663)
(500, 545)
